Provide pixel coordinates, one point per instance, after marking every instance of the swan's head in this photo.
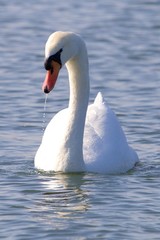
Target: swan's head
(60, 47)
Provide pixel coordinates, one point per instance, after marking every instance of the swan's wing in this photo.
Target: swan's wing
(105, 145)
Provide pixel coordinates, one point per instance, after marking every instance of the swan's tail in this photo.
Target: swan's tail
(99, 99)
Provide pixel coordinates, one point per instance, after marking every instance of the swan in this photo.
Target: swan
(80, 138)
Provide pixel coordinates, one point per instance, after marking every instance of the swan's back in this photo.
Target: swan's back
(105, 145)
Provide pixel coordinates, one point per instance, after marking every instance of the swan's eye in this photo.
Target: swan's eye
(56, 57)
(48, 65)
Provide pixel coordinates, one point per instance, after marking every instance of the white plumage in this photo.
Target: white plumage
(81, 137)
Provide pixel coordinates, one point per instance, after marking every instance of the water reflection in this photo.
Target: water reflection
(62, 197)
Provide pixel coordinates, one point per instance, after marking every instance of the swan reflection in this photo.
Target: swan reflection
(63, 196)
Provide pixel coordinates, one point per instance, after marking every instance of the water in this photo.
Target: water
(44, 113)
(123, 41)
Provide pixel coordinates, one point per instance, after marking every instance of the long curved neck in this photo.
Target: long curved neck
(79, 86)
(79, 94)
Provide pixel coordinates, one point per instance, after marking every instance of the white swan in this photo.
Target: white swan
(73, 140)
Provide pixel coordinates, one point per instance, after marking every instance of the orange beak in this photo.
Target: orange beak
(51, 77)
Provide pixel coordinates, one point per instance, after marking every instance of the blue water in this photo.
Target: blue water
(123, 41)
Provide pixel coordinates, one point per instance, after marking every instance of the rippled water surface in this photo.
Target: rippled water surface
(123, 41)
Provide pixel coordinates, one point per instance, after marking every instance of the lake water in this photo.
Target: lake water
(123, 41)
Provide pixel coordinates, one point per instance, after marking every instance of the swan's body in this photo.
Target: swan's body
(80, 138)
